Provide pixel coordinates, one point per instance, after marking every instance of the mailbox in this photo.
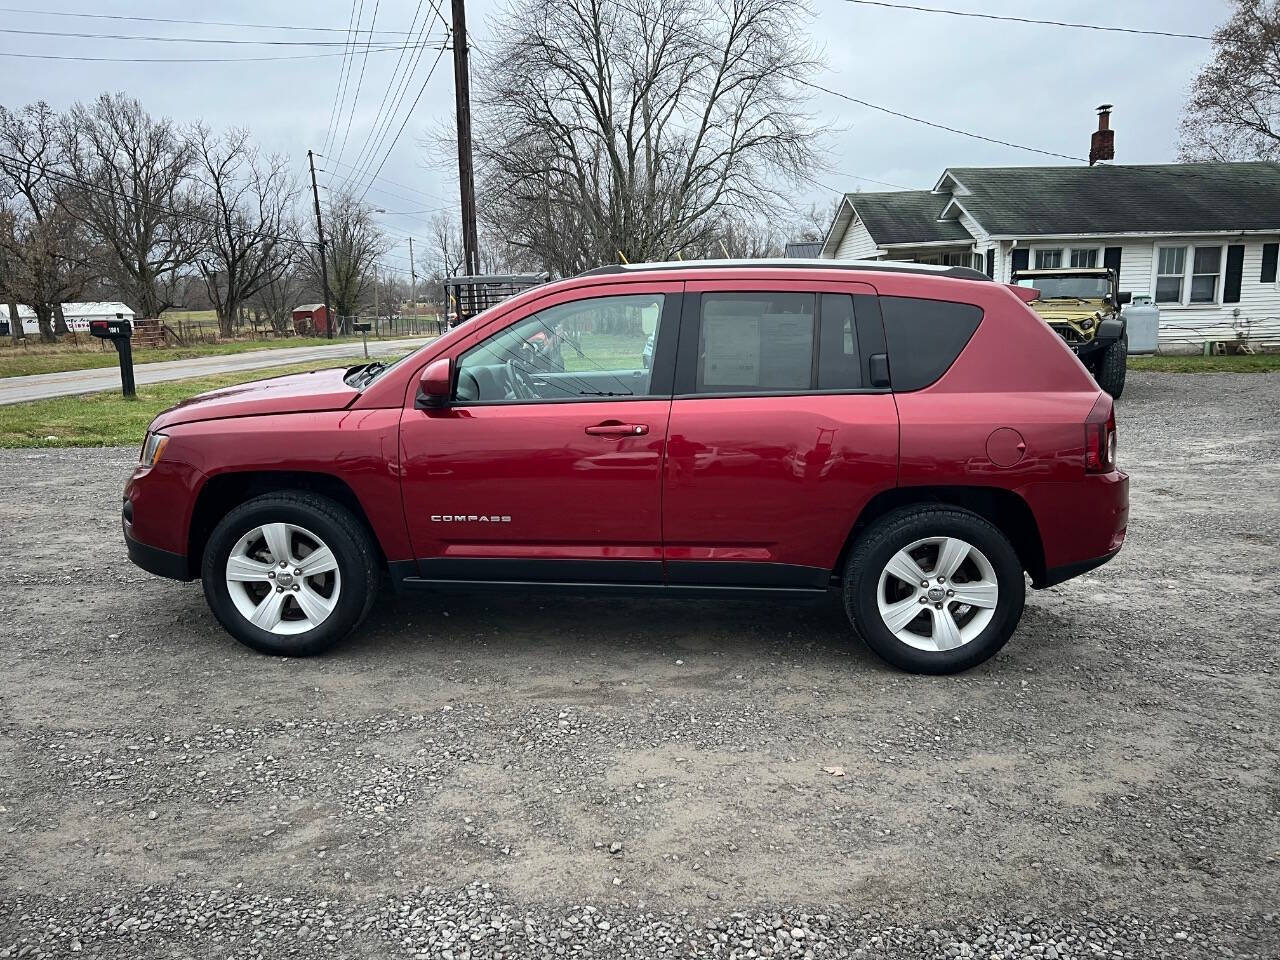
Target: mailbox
(120, 332)
(362, 326)
(110, 329)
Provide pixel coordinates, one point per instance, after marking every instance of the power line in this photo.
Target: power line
(1031, 20)
(435, 63)
(202, 23)
(392, 83)
(152, 38)
(379, 136)
(344, 77)
(298, 56)
(355, 102)
(402, 186)
(930, 123)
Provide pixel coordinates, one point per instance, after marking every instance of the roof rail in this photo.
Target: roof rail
(883, 266)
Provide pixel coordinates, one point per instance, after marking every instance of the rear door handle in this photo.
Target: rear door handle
(617, 429)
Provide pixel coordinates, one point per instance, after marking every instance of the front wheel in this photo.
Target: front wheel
(934, 589)
(290, 574)
(1112, 365)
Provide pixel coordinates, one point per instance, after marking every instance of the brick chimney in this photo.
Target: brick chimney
(1103, 144)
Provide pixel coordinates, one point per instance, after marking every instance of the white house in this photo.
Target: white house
(78, 315)
(1201, 238)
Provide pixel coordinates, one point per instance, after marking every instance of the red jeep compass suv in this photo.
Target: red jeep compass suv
(914, 437)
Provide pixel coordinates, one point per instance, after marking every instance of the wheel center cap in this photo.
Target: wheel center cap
(286, 580)
(936, 594)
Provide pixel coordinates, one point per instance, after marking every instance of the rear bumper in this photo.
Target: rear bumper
(1066, 572)
(1082, 524)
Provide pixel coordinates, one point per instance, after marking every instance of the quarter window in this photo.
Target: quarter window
(755, 342)
(601, 347)
(839, 365)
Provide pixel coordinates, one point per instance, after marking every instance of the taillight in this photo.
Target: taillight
(1100, 436)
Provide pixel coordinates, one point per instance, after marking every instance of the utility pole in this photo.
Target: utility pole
(324, 262)
(377, 309)
(466, 173)
(413, 284)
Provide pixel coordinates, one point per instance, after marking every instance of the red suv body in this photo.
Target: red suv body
(916, 437)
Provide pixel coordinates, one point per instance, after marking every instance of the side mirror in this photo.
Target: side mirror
(436, 384)
(1124, 297)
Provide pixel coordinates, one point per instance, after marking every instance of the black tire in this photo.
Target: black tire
(900, 528)
(348, 539)
(1112, 365)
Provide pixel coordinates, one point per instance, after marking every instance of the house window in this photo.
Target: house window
(1048, 259)
(1205, 268)
(1084, 256)
(953, 259)
(1186, 275)
(1171, 264)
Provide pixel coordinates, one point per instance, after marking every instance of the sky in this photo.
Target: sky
(1029, 84)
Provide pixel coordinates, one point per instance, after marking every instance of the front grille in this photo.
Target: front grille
(1068, 333)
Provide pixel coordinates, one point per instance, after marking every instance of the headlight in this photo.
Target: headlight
(1086, 323)
(153, 447)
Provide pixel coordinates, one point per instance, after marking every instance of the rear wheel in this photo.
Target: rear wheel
(290, 574)
(934, 589)
(1112, 365)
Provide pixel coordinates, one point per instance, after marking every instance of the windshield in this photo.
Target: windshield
(1071, 288)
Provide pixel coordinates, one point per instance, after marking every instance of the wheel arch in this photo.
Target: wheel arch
(222, 492)
(1010, 514)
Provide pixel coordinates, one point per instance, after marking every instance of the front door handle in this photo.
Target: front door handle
(617, 429)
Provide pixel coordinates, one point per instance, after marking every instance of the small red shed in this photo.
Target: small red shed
(311, 318)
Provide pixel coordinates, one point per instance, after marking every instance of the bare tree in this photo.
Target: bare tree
(353, 242)
(246, 204)
(813, 223)
(630, 129)
(131, 188)
(43, 254)
(446, 246)
(1233, 112)
(278, 297)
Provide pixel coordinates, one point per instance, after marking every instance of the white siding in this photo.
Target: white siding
(972, 225)
(857, 243)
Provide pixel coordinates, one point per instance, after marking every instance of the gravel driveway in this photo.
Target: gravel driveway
(530, 777)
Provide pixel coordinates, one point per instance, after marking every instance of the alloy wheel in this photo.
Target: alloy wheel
(283, 578)
(938, 593)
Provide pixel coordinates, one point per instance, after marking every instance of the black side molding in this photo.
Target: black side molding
(162, 563)
(1057, 575)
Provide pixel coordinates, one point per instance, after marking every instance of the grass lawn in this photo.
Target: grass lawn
(88, 354)
(1235, 363)
(107, 419)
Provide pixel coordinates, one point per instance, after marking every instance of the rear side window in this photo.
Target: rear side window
(755, 342)
(925, 337)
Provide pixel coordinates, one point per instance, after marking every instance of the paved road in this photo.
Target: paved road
(43, 385)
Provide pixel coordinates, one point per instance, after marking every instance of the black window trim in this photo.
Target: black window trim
(662, 371)
(867, 321)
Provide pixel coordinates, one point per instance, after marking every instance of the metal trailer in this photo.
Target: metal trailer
(464, 297)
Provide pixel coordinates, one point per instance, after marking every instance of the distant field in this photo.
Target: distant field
(89, 354)
(107, 419)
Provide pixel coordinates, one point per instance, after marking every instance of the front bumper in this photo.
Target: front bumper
(162, 563)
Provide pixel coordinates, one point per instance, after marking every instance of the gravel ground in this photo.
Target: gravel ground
(528, 777)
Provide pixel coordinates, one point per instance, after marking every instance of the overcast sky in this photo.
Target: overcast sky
(1035, 85)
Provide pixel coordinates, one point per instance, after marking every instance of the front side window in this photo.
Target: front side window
(1048, 259)
(750, 342)
(1171, 264)
(601, 347)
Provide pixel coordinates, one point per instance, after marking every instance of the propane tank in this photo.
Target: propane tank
(1142, 324)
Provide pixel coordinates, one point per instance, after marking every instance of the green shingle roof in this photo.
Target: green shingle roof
(906, 216)
(1163, 198)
